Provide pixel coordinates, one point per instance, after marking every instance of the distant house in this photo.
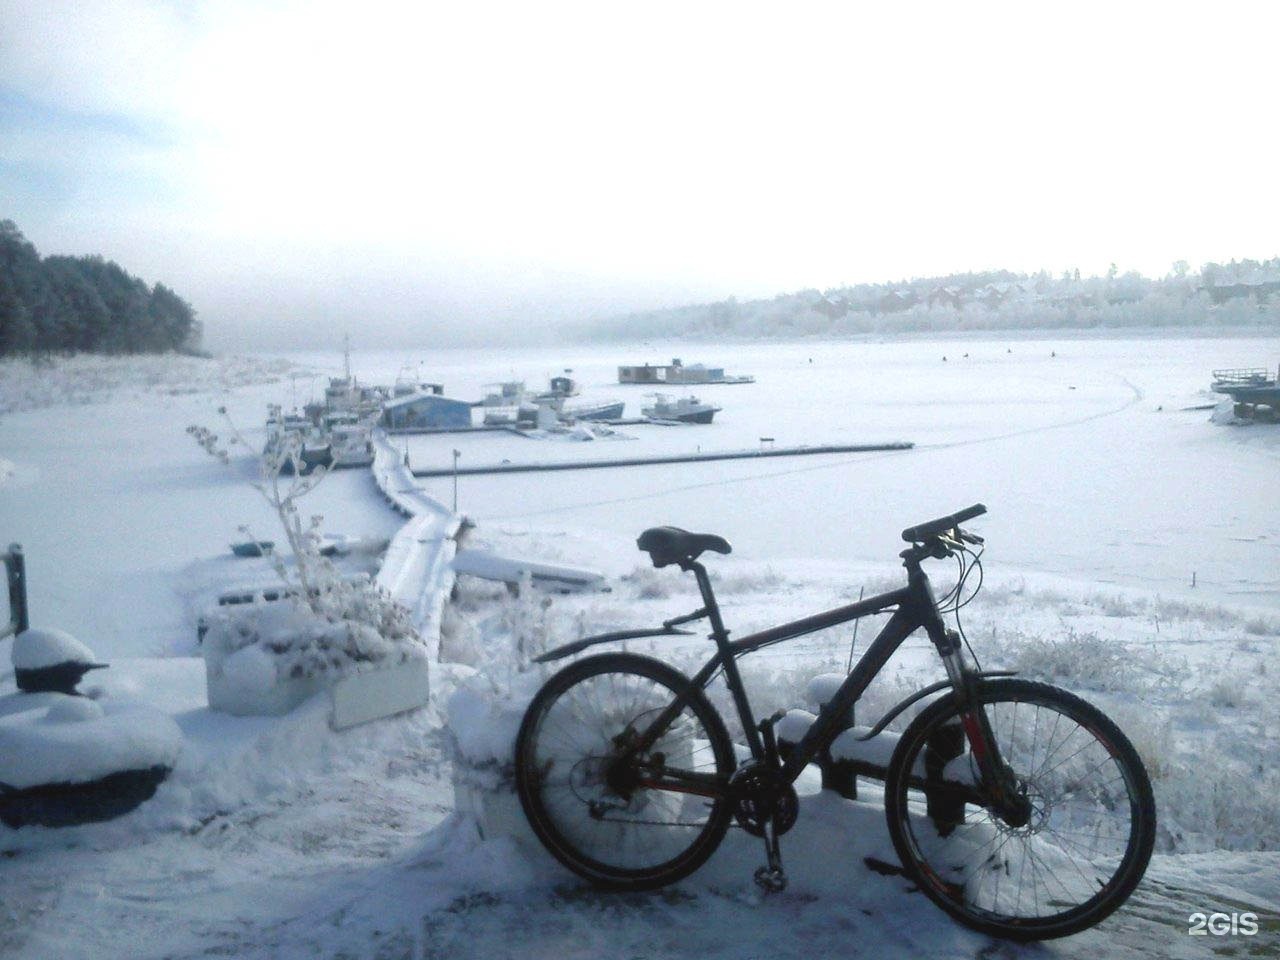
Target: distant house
(896, 300)
(946, 297)
(832, 308)
(425, 411)
(1221, 293)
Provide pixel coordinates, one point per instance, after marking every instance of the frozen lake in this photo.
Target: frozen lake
(1081, 448)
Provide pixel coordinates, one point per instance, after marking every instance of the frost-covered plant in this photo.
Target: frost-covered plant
(1082, 659)
(335, 623)
(281, 490)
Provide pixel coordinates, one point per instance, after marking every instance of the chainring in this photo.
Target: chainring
(760, 793)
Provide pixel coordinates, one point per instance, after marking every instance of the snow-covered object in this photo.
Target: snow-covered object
(53, 738)
(36, 649)
(416, 571)
(484, 721)
(375, 694)
(490, 566)
(823, 687)
(50, 661)
(264, 659)
(1225, 413)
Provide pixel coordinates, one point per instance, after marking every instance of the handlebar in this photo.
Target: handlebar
(931, 528)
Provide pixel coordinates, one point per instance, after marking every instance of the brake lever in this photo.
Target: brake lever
(968, 537)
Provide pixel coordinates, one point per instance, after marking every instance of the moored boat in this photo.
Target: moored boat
(676, 373)
(687, 409)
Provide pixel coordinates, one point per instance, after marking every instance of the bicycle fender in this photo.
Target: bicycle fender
(926, 692)
(569, 649)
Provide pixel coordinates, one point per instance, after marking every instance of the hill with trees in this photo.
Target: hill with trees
(1243, 293)
(73, 304)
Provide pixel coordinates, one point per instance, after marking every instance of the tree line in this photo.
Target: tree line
(70, 304)
(1243, 293)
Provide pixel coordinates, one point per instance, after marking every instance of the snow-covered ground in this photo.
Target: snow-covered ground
(279, 838)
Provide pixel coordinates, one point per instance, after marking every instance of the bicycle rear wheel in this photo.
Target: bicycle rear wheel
(1090, 817)
(622, 817)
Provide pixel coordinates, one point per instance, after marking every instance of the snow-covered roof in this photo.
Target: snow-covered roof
(411, 398)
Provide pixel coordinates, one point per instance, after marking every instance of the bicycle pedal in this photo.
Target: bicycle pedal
(771, 880)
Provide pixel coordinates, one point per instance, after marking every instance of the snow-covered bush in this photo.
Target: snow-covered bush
(651, 584)
(46, 381)
(1082, 660)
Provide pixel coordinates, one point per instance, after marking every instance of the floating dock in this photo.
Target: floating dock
(1255, 392)
(762, 454)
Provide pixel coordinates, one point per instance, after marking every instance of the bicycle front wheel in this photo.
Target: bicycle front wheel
(612, 810)
(1081, 839)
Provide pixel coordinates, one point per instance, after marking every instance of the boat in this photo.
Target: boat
(687, 409)
(253, 548)
(351, 444)
(314, 450)
(1254, 391)
(604, 410)
(511, 393)
(407, 385)
(559, 388)
(676, 373)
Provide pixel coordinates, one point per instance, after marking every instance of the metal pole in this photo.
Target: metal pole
(15, 568)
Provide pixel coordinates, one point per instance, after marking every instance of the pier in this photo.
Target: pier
(652, 461)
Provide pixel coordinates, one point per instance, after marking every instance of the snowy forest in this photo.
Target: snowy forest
(1243, 293)
(69, 304)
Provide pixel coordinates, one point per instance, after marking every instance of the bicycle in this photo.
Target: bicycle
(1018, 808)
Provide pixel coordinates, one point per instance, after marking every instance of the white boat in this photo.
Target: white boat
(351, 444)
(687, 409)
(604, 410)
(508, 394)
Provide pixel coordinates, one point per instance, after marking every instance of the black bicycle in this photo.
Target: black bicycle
(1017, 807)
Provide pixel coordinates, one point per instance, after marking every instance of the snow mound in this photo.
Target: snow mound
(37, 649)
(67, 739)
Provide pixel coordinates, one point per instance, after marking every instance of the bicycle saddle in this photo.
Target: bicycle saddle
(667, 545)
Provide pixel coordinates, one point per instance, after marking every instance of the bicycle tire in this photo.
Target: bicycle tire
(569, 734)
(1057, 878)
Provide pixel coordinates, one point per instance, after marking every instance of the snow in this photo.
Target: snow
(34, 649)
(67, 739)
(279, 837)
(481, 563)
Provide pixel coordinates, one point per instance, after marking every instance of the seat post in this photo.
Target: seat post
(718, 632)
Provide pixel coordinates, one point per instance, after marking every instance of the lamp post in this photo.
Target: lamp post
(456, 455)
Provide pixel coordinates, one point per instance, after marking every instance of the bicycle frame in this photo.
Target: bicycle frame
(916, 607)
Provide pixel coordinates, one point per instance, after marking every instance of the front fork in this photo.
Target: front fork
(1008, 798)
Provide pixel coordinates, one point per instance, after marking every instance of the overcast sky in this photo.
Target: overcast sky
(407, 169)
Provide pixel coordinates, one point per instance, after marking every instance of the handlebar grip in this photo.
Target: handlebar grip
(931, 528)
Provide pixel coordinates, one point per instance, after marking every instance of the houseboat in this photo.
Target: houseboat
(678, 374)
